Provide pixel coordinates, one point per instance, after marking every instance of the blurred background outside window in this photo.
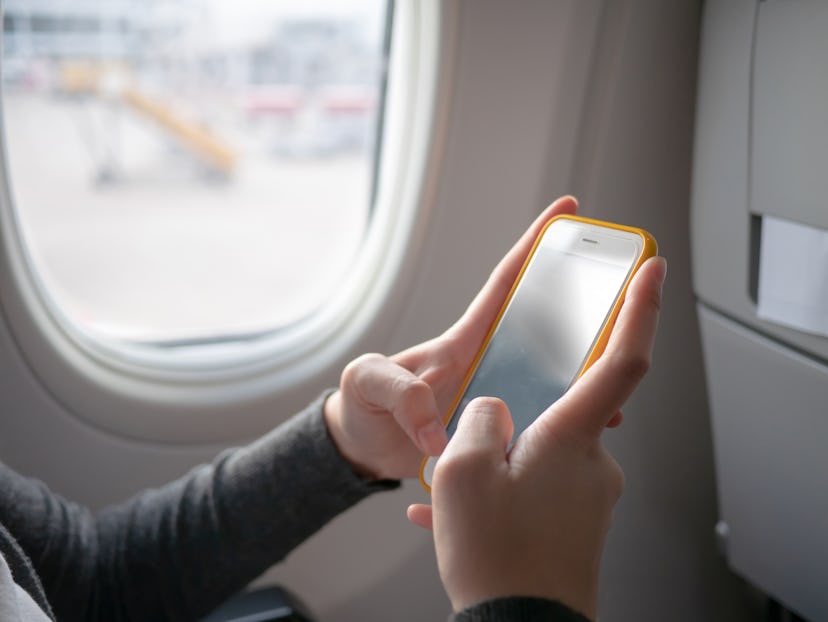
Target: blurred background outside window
(189, 170)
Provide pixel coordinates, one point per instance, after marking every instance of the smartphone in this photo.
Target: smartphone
(556, 320)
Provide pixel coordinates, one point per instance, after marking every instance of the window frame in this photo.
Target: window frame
(186, 394)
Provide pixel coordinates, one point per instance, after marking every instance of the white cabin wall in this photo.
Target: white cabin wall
(635, 166)
(591, 98)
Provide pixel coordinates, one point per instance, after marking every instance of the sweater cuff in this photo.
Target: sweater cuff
(518, 609)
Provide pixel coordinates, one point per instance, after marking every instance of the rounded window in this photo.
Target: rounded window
(192, 171)
(206, 208)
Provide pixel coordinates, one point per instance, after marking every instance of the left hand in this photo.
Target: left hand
(388, 412)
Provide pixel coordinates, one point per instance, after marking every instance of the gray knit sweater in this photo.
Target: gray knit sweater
(176, 552)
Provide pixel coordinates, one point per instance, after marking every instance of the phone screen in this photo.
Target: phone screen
(553, 319)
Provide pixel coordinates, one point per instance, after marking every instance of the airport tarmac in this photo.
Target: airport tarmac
(131, 236)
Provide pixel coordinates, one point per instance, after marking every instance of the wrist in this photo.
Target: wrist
(332, 415)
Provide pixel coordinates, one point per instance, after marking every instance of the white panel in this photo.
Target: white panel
(790, 112)
(720, 221)
(770, 428)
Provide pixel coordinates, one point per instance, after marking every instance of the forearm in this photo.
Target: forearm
(176, 552)
(190, 545)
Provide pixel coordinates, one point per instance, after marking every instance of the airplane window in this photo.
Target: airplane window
(192, 170)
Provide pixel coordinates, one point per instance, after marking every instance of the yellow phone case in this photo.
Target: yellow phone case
(649, 249)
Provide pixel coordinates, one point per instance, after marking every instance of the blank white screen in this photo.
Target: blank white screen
(550, 325)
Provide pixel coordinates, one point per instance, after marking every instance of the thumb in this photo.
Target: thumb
(483, 434)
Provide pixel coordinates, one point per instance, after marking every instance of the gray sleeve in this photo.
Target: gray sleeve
(518, 609)
(176, 552)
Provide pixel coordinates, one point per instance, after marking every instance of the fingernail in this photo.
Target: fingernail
(432, 438)
(661, 271)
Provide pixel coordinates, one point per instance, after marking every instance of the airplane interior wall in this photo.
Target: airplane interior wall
(636, 161)
(590, 98)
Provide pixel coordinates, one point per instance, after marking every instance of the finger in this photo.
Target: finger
(420, 514)
(593, 402)
(378, 383)
(481, 314)
(484, 431)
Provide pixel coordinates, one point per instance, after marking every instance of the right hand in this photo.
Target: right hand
(532, 522)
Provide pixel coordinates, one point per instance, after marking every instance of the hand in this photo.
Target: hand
(532, 522)
(388, 412)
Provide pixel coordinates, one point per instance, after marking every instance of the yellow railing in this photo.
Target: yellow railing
(84, 78)
(199, 140)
